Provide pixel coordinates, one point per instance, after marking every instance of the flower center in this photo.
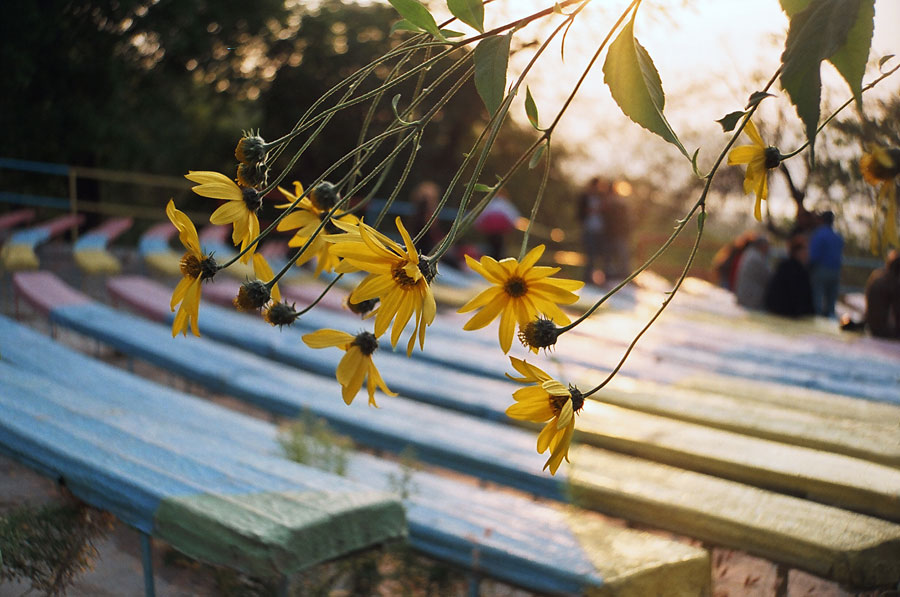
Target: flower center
(399, 275)
(773, 157)
(366, 342)
(252, 199)
(557, 402)
(515, 287)
(540, 333)
(193, 267)
(190, 266)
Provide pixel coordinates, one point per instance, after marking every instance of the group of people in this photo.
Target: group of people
(805, 281)
(605, 226)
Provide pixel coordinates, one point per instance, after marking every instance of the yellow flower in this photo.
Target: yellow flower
(397, 276)
(759, 159)
(882, 166)
(306, 217)
(240, 207)
(355, 365)
(520, 293)
(195, 267)
(550, 401)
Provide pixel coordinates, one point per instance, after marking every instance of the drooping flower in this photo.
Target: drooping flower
(256, 294)
(356, 365)
(195, 268)
(521, 291)
(546, 401)
(759, 158)
(306, 218)
(398, 277)
(240, 207)
(881, 166)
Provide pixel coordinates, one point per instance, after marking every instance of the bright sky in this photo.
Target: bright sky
(711, 54)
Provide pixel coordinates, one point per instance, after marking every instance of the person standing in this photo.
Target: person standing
(883, 299)
(789, 292)
(753, 274)
(591, 207)
(618, 229)
(825, 249)
(496, 222)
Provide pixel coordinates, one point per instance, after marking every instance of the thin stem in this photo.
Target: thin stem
(306, 192)
(537, 202)
(701, 202)
(839, 109)
(665, 303)
(327, 217)
(321, 296)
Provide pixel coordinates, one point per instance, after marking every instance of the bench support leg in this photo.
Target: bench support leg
(147, 558)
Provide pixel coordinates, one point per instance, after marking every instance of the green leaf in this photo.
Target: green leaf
(416, 13)
(816, 33)
(404, 25)
(451, 33)
(531, 110)
(792, 7)
(482, 188)
(635, 85)
(730, 120)
(491, 61)
(756, 97)
(701, 219)
(694, 165)
(470, 12)
(884, 60)
(536, 156)
(850, 60)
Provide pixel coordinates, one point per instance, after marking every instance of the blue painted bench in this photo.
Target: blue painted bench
(831, 478)
(496, 534)
(177, 478)
(17, 254)
(849, 547)
(154, 249)
(91, 253)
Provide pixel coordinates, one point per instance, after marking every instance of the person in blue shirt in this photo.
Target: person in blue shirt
(825, 248)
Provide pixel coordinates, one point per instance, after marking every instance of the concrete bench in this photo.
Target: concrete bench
(827, 477)
(867, 554)
(175, 478)
(91, 252)
(839, 424)
(500, 535)
(17, 254)
(11, 219)
(154, 249)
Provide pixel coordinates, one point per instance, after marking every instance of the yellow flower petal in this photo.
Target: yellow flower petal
(187, 233)
(327, 338)
(754, 135)
(744, 154)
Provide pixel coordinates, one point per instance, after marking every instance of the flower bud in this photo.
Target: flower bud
(281, 314)
(252, 175)
(537, 334)
(324, 196)
(251, 149)
(362, 307)
(252, 296)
